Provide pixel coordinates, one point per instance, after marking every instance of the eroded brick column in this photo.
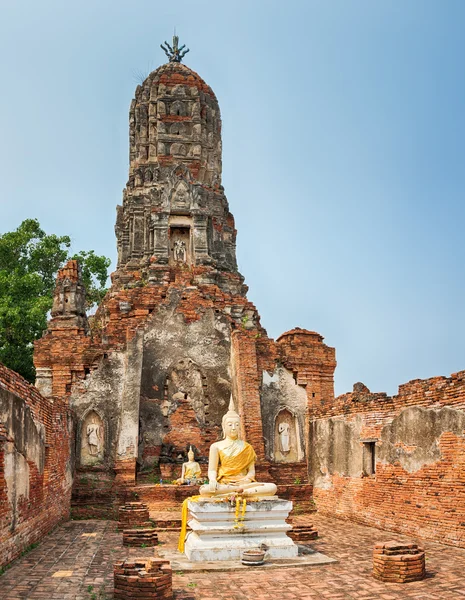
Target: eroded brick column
(301, 532)
(141, 537)
(133, 514)
(398, 563)
(143, 579)
(134, 522)
(247, 389)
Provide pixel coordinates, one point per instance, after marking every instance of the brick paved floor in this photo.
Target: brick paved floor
(90, 558)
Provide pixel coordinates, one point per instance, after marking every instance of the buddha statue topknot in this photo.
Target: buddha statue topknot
(231, 464)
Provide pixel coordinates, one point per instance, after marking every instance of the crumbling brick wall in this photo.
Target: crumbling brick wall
(35, 468)
(415, 441)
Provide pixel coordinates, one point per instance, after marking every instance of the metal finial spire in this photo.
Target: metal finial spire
(174, 53)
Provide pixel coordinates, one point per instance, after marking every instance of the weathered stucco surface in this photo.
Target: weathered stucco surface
(184, 364)
(112, 390)
(28, 444)
(28, 435)
(413, 438)
(335, 448)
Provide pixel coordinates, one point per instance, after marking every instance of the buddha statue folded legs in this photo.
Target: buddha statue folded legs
(231, 466)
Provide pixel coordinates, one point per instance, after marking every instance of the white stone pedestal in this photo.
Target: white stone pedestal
(214, 537)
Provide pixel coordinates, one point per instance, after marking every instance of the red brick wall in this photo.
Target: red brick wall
(432, 392)
(94, 494)
(49, 490)
(426, 499)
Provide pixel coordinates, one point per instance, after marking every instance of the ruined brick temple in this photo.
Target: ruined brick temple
(176, 336)
(121, 396)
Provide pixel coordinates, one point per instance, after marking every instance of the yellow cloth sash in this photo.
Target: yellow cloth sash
(191, 473)
(184, 515)
(234, 468)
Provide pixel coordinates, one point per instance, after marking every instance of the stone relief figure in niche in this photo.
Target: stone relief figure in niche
(284, 436)
(287, 443)
(178, 129)
(180, 197)
(177, 108)
(185, 378)
(92, 439)
(180, 251)
(178, 149)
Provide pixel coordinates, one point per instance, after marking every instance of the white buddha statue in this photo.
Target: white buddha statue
(190, 470)
(231, 464)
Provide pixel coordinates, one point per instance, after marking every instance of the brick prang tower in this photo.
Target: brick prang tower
(152, 372)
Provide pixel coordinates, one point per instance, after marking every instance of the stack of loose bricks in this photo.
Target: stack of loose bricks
(135, 524)
(140, 578)
(143, 579)
(303, 533)
(396, 562)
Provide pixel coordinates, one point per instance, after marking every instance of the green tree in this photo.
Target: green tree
(29, 261)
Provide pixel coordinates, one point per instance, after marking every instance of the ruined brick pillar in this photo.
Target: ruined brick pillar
(397, 562)
(302, 532)
(312, 362)
(134, 522)
(144, 537)
(247, 390)
(58, 356)
(133, 514)
(143, 579)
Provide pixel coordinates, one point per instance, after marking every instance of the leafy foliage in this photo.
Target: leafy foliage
(94, 275)
(29, 261)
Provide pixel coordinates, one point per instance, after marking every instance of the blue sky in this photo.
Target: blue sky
(344, 162)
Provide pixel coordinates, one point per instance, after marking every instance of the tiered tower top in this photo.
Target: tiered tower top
(175, 216)
(175, 119)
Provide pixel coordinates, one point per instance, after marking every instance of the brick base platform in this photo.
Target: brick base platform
(396, 562)
(166, 521)
(139, 538)
(143, 579)
(133, 514)
(299, 494)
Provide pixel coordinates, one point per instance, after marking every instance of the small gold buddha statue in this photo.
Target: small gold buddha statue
(191, 470)
(231, 464)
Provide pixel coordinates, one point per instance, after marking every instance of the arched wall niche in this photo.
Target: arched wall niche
(91, 439)
(287, 437)
(186, 381)
(283, 408)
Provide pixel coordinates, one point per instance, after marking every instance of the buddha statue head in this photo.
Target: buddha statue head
(231, 423)
(190, 454)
